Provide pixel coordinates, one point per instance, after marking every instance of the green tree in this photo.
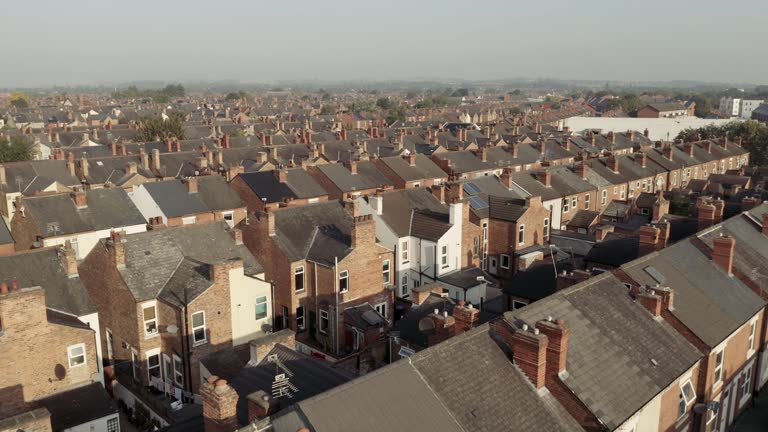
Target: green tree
(754, 135)
(17, 148)
(384, 103)
(396, 114)
(19, 99)
(460, 92)
(329, 109)
(679, 204)
(153, 128)
(233, 96)
(703, 107)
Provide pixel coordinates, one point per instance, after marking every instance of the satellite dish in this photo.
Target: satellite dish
(60, 371)
(172, 329)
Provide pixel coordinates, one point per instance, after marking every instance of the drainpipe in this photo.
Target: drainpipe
(317, 306)
(336, 292)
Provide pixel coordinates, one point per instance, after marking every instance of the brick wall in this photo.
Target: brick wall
(334, 192)
(34, 351)
(37, 420)
(24, 231)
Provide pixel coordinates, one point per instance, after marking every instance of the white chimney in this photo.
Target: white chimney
(377, 203)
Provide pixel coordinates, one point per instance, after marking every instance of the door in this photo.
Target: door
(724, 410)
(493, 265)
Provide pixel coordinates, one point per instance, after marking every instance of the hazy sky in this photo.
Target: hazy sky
(67, 43)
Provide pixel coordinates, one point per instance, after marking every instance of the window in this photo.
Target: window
(505, 261)
(381, 308)
(404, 251)
(167, 369)
(521, 234)
(718, 368)
(298, 278)
(574, 202)
(385, 271)
(110, 345)
(113, 425)
(623, 192)
(404, 286)
(475, 246)
(604, 198)
(178, 371)
(188, 220)
(343, 281)
(752, 337)
(199, 336)
(586, 201)
(136, 365)
(746, 384)
(565, 205)
(444, 256)
(687, 393)
(416, 283)
(153, 365)
(76, 355)
(261, 307)
(323, 321)
(518, 304)
(300, 317)
(546, 229)
(674, 178)
(150, 320)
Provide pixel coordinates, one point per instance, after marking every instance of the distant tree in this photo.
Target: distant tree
(462, 92)
(396, 114)
(233, 96)
(237, 133)
(152, 128)
(761, 91)
(19, 99)
(411, 95)
(703, 106)
(516, 92)
(17, 148)
(329, 109)
(384, 103)
(325, 96)
(679, 204)
(754, 135)
(362, 106)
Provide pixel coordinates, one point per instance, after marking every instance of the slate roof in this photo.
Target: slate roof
(619, 357)
(584, 219)
(298, 185)
(508, 209)
(43, 268)
(614, 250)
(423, 169)
(106, 208)
(318, 232)
(464, 162)
(709, 302)
(5, 233)
(79, 406)
(216, 194)
(159, 262)
(441, 389)
(34, 176)
(398, 207)
(367, 177)
(173, 198)
(429, 225)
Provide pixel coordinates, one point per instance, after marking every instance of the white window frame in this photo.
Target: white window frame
(381, 308)
(565, 205)
(301, 320)
(717, 371)
(144, 307)
(521, 235)
(404, 251)
(344, 276)
(154, 353)
(623, 192)
(71, 356)
(575, 202)
(299, 270)
(323, 315)
(752, 334)
(604, 198)
(404, 285)
(386, 271)
(501, 261)
(178, 373)
(444, 256)
(546, 228)
(587, 202)
(261, 300)
(683, 384)
(203, 341)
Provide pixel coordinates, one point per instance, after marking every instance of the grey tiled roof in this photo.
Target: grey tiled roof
(161, 260)
(174, 200)
(423, 169)
(709, 302)
(367, 177)
(318, 232)
(398, 207)
(216, 194)
(107, 208)
(43, 268)
(619, 357)
(299, 184)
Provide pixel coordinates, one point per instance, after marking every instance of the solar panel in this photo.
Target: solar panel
(477, 203)
(471, 188)
(655, 274)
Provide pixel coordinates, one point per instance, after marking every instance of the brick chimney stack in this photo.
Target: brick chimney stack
(506, 178)
(466, 316)
(219, 405)
(582, 169)
(79, 199)
(557, 345)
(281, 175)
(649, 240)
(613, 163)
(545, 177)
(529, 350)
(706, 213)
(191, 184)
(69, 259)
(765, 224)
(115, 242)
(144, 158)
(444, 327)
(722, 253)
(156, 160)
(719, 209)
(437, 190)
(261, 405)
(363, 232)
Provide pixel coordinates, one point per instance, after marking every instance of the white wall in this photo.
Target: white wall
(93, 322)
(243, 291)
(146, 204)
(658, 128)
(87, 241)
(94, 425)
(130, 399)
